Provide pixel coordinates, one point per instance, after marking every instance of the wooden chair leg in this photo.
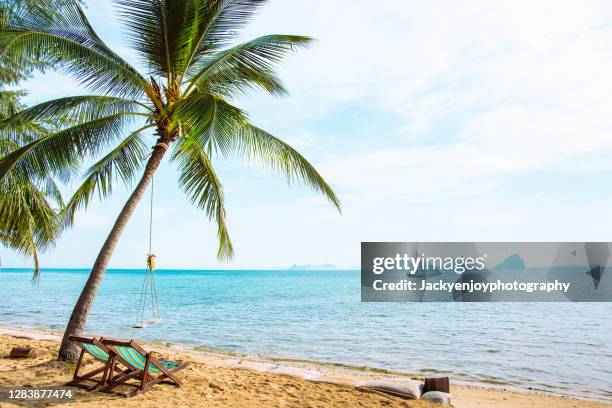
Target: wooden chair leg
(120, 379)
(78, 382)
(145, 372)
(108, 370)
(172, 377)
(78, 366)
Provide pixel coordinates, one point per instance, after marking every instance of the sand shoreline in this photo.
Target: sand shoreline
(313, 373)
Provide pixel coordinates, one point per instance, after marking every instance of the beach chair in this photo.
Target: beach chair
(94, 348)
(142, 366)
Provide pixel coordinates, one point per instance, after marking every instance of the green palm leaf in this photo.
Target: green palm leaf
(24, 211)
(229, 17)
(257, 145)
(153, 26)
(248, 64)
(28, 223)
(52, 192)
(73, 110)
(200, 182)
(224, 128)
(62, 150)
(239, 80)
(125, 159)
(170, 35)
(70, 44)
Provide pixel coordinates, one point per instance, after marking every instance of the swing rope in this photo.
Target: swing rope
(148, 285)
(151, 216)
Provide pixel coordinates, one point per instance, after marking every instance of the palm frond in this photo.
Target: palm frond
(69, 43)
(27, 221)
(52, 192)
(151, 28)
(209, 26)
(14, 137)
(24, 211)
(56, 152)
(257, 145)
(240, 80)
(200, 182)
(69, 110)
(229, 17)
(195, 113)
(228, 131)
(125, 159)
(49, 7)
(10, 102)
(169, 35)
(248, 64)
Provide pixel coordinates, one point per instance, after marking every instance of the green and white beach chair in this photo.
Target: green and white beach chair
(93, 347)
(142, 366)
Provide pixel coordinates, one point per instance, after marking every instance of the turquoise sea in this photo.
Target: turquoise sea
(555, 347)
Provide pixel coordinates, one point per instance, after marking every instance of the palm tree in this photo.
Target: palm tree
(29, 204)
(29, 221)
(192, 74)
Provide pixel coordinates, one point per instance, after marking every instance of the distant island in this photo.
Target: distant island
(512, 262)
(312, 267)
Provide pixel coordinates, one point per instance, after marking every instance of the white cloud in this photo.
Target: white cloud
(486, 88)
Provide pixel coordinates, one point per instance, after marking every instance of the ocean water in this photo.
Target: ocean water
(562, 348)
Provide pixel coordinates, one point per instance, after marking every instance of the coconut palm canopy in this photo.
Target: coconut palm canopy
(28, 206)
(184, 95)
(191, 74)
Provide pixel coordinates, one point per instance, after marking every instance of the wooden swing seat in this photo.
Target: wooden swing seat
(145, 324)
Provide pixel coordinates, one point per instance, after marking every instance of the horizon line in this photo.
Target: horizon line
(190, 269)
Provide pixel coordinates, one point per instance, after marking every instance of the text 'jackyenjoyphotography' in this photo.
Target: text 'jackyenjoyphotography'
(485, 272)
(471, 287)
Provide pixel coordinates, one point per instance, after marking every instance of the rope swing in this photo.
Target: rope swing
(148, 308)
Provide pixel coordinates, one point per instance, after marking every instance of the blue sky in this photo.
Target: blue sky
(434, 121)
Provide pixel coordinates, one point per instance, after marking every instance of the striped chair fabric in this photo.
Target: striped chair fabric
(95, 351)
(137, 360)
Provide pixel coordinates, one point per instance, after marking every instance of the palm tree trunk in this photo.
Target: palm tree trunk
(68, 351)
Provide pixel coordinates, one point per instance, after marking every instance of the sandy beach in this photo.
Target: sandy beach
(219, 380)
